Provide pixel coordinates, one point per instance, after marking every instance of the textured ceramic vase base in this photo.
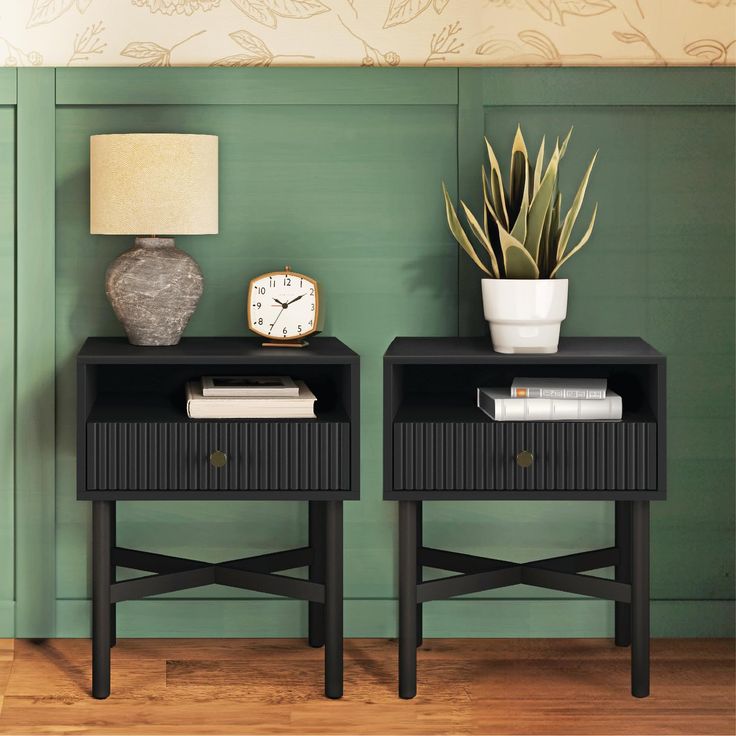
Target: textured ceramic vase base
(523, 351)
(519, 338)
(154, 289)
(525, 315)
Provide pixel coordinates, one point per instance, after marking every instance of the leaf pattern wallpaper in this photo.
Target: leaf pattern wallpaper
(367, 32)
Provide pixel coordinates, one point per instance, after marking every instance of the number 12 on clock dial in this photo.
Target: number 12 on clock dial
(283, 305)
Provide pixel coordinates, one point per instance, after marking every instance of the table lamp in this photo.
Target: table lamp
(153, 184)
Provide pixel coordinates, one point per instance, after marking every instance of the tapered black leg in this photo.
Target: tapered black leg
(640, 598)
(420, 544)
(101, 598)
(622, 611)
(333, 599)
(407, 599)
(113, 574)
(317, 571)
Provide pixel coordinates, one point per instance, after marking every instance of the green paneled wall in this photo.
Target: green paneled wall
(336, 172)
(345, 193)
(661, 265)
(35, 397)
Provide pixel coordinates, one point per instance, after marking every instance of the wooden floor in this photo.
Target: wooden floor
(267, 686)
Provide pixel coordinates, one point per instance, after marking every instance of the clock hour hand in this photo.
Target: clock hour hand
(280, 303)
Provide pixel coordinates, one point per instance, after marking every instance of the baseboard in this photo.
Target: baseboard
(377, 618)
(7, 619)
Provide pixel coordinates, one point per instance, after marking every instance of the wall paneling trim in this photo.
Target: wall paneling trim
(7, 348)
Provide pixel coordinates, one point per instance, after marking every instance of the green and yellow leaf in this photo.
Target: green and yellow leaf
(580, 244)
(519, 229)
(498, 197)
(540, 204)
(519, 264)
(574, 211)
(538, 169)
(486, 190)
(457, 230)
(563, 147)
(519, 172)
(480, 233)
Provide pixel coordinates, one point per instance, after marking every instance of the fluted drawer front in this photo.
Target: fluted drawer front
(172, 456)
(485, 456)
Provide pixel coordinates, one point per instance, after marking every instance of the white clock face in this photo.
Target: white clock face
(283, 306)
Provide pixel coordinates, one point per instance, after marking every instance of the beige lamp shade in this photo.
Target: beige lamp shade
(153, 184)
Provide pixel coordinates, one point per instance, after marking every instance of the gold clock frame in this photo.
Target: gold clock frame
(275, 340)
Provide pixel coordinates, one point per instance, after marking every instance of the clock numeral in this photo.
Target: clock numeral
(311, 292)
(312, 307)
(310, 322)
(261, 290)
(260, 320)
(287, 281)
(271, 282)
(285, 331)
(299, 329)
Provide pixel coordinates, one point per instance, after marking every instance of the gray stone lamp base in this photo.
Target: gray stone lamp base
(154, 289)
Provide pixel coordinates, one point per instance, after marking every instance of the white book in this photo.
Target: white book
(499, 406)
(249, 386)
(255, 407)
(558, 388)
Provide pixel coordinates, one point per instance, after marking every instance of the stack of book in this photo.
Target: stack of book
(249, 397)
(551, 399)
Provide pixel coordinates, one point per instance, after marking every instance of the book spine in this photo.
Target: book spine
(245, 393)
(520, 392)
(530, 410)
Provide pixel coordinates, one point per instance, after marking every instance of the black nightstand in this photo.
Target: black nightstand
(135, 442)
(439, 446)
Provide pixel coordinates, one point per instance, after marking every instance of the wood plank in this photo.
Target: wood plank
(7, 654)
(35, 283)
(528, 686)
(288, 86)
(610, 86)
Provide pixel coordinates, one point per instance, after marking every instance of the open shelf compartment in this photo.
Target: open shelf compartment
(442, 443)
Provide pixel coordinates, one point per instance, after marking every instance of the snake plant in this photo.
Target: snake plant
(524, 234)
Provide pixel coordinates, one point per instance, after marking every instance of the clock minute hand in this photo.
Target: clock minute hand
(281, 311)
(295, 299)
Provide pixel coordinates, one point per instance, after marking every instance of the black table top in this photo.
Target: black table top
(215, 350)
(480, 350)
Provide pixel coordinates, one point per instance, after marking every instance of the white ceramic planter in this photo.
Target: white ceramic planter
(525, 314)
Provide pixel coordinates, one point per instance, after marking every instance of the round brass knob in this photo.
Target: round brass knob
(524, 458)
(218, 458)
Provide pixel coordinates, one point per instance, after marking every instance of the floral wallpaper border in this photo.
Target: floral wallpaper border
(367, 32)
